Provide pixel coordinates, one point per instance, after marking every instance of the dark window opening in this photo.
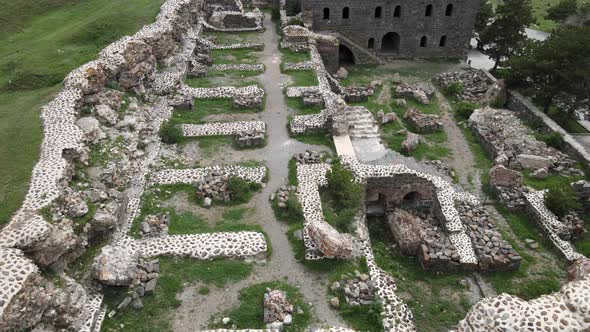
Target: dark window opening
(428, 10)
(346, 12)
(390, 43)
(326, 13)
(378, 12)
(449, 10)
(443, 41)
(371, 43)
(423, 41)
(398, 11)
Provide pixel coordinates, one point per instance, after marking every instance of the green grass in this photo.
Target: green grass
(540, 8)
(249, 313)
(288, 55)
(436, 299)
(225, 38)
(316, 139)
(40, 42)
(158, 310)
(421, 69)
(296, 104)
(302, 78)
(235, 56)
(293, 172)
(235, 78)
(189, 223)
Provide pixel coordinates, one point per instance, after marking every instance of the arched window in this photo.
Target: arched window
(423, 41)
(449, 10)
(371, 43)
(443, 41)
(428, 11)
(326, 13)
(346, 12)
(378, 12)
(398, 11)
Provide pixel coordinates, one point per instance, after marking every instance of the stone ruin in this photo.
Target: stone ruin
(511, 144)
(278, 311)
(357, 289)
(155, 225)
(477, 86)
(421, 92)
(422, 123)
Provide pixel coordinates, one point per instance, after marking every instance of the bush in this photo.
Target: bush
(561, 200)
(454, 89)
(563, 10)
(464, 109)
(343, 189)
(293, 7)
(169, 133)
(554, 140)
(294, 208)
(240, 189)
(275, 13)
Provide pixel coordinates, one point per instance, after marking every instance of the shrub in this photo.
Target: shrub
(454, 89)
(464, 109)
(554, 140)
(293, 7)
(343, 189)
(561, 200)
(275, 13)
(240, 189)
(170, 133)
(294, 208)
(563, 10)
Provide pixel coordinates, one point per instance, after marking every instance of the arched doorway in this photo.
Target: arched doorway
(345, 56)
(390, 43)
(411, 200)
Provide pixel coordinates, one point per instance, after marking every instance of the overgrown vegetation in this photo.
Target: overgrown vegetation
(241, 191)
(158, 310)
(170, 133)
(561, 200)
(341, 198)
(40, 42)
(249, 313)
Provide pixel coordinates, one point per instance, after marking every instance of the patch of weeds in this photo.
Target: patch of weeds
(158, 310)
(287, 55)
(204, 290)
(303, 78)
(293, 172)
(249, 313)
(318, 138)
(235, 56)
(297, 105)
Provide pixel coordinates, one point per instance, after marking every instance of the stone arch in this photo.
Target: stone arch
(378, 12)
(346, 13)
(423, 41)
(397, 12)
(390, 42)
(443, 41)
(326, 13)
(449, 10)
(345, 56)
(371, 43)
(428, 11)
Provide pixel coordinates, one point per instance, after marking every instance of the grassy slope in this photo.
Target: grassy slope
(40, 42)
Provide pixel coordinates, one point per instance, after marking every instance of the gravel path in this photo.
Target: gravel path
(196, 309)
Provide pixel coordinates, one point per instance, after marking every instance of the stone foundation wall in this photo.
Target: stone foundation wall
(525, 110)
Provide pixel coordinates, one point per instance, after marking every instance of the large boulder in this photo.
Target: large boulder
(116, 265)
(579, 269)
(411, 142)
(91, 129)
(504, 177)
(58, 241)
(532, 162)
(106, 115)
(329, 241)
(406, 230)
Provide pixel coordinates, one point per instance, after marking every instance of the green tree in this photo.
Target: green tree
(505, 35)
(344, 190)
(483, 18)
(563, 10)
(562, 200)
(558, 65)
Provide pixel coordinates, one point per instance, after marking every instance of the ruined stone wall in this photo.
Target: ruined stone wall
(397, 187)
(411, 25)
(525, 110)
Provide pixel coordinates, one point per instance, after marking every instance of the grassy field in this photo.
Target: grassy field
(40, 42)
(540, 8)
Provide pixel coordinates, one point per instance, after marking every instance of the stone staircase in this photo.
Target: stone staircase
(361, 123)
(357, 49)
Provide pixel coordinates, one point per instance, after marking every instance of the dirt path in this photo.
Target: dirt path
(462, 160)
(196, 309)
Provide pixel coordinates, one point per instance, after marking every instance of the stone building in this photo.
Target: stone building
(393, 29)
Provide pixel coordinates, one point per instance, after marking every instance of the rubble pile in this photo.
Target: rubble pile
(278, 311)
(477, 87)
(423, 92)
(155, 225)
(357, 289)
(250, 138)
(423, 123)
